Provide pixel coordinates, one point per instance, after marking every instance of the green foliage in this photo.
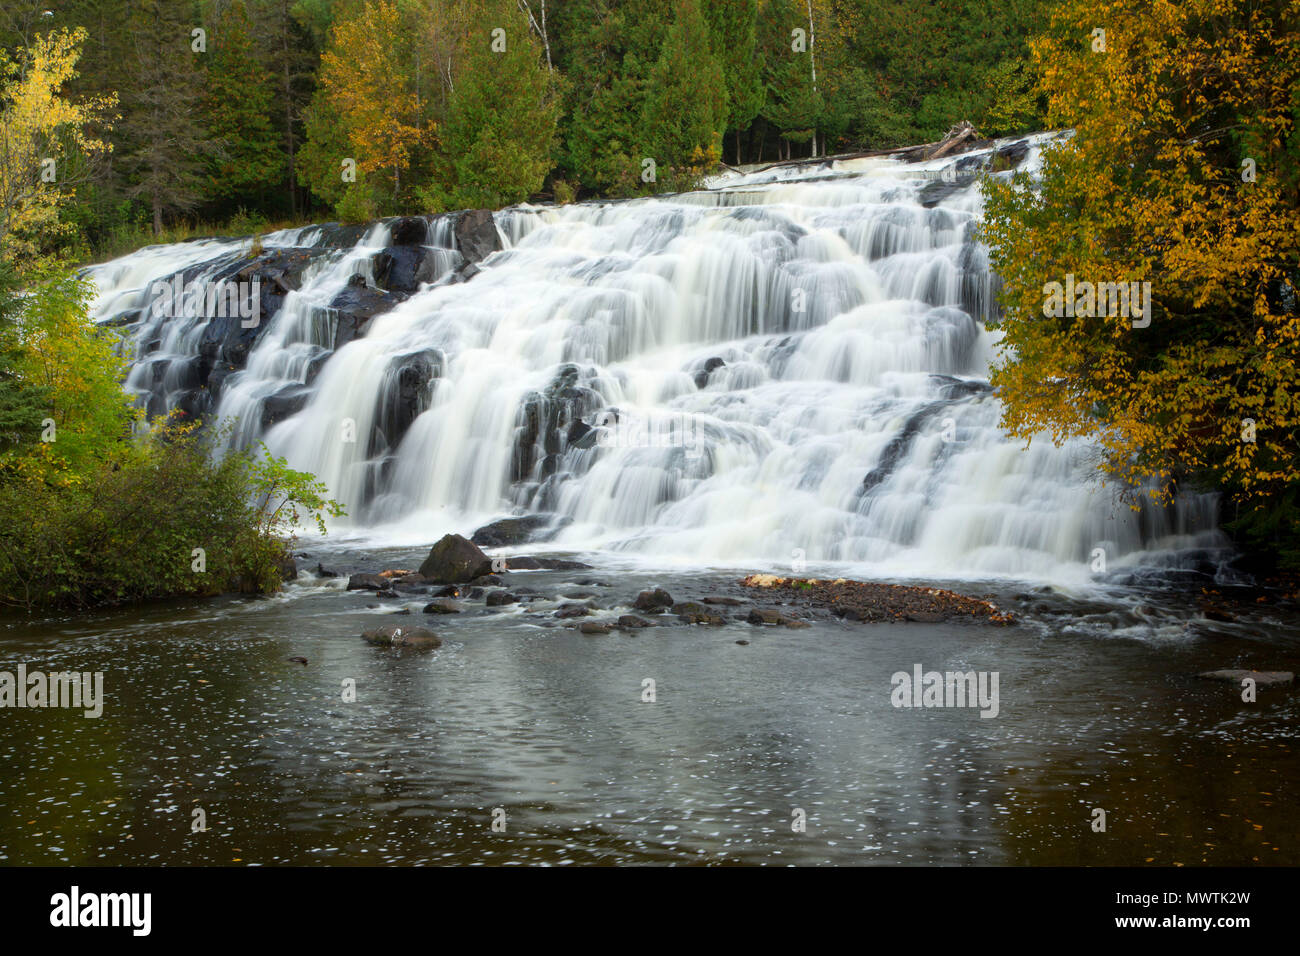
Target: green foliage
(237, 103)
(73, 365)
(21, 409)
(499, 137)
(686, 106)
(96, 515)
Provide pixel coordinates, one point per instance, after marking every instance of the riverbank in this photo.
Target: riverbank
(1100, 706)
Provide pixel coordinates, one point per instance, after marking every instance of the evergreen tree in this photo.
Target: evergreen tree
(238, 113)
(499, 137)
(733, 27)
(686, 104)
(164, 144)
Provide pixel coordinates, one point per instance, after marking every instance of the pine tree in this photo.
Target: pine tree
(499, 137)
(686, 106)
(165, 145)
(237, 105)
(733, 27)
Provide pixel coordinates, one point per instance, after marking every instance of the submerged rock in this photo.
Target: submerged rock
(510, 531)
(402, 636)
(442, 607)
(1261, 678)
(367, 582)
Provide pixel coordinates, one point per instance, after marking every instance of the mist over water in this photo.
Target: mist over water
(786, 366)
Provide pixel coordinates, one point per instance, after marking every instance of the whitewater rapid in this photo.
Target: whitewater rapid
(786, 370)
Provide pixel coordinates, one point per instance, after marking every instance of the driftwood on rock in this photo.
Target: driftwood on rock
(960, 138)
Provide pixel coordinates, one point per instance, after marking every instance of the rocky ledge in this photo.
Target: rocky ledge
(867, 601)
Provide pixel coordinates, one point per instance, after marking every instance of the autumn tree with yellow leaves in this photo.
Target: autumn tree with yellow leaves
(1182, 171)
(48, 143)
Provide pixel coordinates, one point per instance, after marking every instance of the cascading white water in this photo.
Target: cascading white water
(785, 366)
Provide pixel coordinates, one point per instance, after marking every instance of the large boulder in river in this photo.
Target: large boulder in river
(391, 635)
(455, 560)
(653, 602)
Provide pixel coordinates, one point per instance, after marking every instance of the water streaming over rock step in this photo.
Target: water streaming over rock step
(788, 365)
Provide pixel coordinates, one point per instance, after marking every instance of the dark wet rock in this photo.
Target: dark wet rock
(953, 388)
(476, 235)
(409, 231)
(287, 568)
(579, 595)
(653, 602)
(388, 595)
(391, 635)
(475, 593)
(406, 393)
(632, 622)
(455, 560)
(743, 643)
(765, 616)
(322, 572)
(572, 610)
(367, 582)
(702, 376)
(523, 563)
(724, 601)
(355, 306)
(581, 435)
(1261, 678)
(1214, 613)
(1010, 155)
(288, 401)
(403, 269)
(499, 598)
(559, 564)
(893, 452)
(705, 617)
(507, 532)
(405, 610)
(450, 591)
(594, 627)
(442, 607)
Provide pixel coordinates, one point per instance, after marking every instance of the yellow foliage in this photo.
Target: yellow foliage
(41, 133)
(371, 84)
(1182, 171)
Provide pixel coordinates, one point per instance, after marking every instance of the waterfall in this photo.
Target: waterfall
(786, 366)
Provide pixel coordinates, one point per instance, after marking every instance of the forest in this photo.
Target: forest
(227, 115)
